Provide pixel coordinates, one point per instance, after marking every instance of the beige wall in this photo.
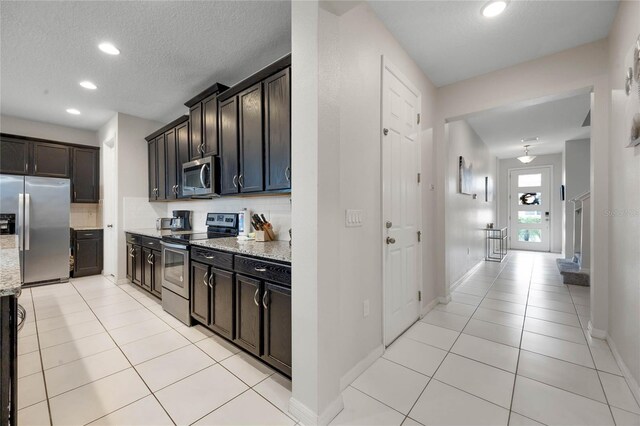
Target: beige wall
(38, 129)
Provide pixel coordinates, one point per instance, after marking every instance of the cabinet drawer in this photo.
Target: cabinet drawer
(152, 243)
(92, 234)
(212, 257)
(263, 269)
(134, 239)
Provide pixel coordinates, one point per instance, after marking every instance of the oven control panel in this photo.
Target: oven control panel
(222, 220)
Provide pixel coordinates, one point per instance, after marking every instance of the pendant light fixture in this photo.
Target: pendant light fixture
(526, 158)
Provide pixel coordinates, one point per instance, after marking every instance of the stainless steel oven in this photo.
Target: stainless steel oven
(199, 178)
(175, 280)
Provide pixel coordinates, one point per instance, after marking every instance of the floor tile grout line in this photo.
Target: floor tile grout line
(136, 371)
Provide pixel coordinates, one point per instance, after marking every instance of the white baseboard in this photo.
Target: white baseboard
(360, 367)
(444, 299)
(309, 418)
(633, 384)
(429, 307)
(595, 332)
(465, 276)
(123, 281)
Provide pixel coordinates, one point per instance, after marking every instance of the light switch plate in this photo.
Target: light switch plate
(354, 218)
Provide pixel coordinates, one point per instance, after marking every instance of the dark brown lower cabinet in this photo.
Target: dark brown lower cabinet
(248, 314)
(87, 253)
(222, 306)
(200, 292)
(276, 303)
(130, 261)
(156, 283)
(147, 276)
(136, 276)
(144, 263)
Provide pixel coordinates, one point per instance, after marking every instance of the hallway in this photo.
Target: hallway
(510, 348)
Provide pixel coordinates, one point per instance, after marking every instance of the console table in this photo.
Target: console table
(495, 244)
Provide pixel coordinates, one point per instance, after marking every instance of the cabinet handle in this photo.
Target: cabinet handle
(201, 148)
(264, 300)
(204, 279)
(241, 180)
(255, 296)
(211, 280)
(86, 235)
(235, 181)
(153, 258)
(208, 257)
(131, 253)
(149, 259)
(75, 195)
(287, 173)
(260, 269)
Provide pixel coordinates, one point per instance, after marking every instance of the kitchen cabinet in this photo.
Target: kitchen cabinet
(248, 314)
(51, 160)
(85, 179)
(222, 309)
(168, 149)
(153, 169)
(276, 303)
(130, 260)
(171, 170)
(156, 283)
(144, 263)
(228, 111)
(200, 292)
(277, 131)
(14, 156)
(251, 178)
(182, 153)
(203, 122)
(87, 253)
(157, 168)
(136, 276)
(147, 273)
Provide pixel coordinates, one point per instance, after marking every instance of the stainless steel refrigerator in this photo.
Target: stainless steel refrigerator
(40, 207)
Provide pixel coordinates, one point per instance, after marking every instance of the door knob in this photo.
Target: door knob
(391, 240)
(109, 226)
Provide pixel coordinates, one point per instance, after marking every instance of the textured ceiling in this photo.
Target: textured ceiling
(171, 50)
(451, 41)
(554, 122)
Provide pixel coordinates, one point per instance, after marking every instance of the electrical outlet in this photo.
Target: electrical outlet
(365, 308)
(353, 218)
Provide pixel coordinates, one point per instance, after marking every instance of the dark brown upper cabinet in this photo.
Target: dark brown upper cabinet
(85, 177)
(153, 170)
(14, 156)
(171, 164)
(157, 167)
(182, 143)
(51, 160)
(251, 177)
(277, 131)
(203, 122)
(228, 118)
(168, 150)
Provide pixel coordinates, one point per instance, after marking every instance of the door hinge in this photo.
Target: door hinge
(418, 177)
(419, 296)
(419, 235)
(418, 118)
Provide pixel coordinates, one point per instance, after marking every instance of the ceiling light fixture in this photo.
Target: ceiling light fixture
(109, 48)
(88, 85)
(73, 111)
(526, 158)
(493, 8)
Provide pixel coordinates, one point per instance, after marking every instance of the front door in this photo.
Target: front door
(530, 209)
(401, 202)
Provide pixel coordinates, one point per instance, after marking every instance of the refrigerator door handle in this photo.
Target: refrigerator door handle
(20, 220)
(27, 208)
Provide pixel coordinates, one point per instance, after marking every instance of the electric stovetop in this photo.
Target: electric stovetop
(219, 225)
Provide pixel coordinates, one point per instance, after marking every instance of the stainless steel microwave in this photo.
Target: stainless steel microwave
(199, 178)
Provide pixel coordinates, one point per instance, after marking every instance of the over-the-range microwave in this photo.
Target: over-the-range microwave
(199, 178)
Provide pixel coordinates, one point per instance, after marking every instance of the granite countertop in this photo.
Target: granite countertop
(87, 228)
(9, 265)
(155, 233)
(275, 250)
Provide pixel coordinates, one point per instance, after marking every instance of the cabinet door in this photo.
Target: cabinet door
(138, 265)
(276, 303)
(222, 306)
(251, 178)
(277, 131)
(195, 131)
(88, 257)
(130, 257)
(210, 125)
(248, 314)
(182, 142)
(147, 268)
(161, 168)
(156, 283)
(14, 156)
(51, 160)
(171, 171)
(200, 292)
(86, 175)
(153, 170)
(228, 120)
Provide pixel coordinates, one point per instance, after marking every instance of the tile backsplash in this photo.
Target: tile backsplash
(84, 215)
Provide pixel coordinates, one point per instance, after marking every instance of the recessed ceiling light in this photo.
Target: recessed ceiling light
(88, 85)
(73, 111)
(494, 8)
(109, 48)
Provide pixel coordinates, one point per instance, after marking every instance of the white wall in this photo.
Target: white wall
(554, 160)
(39, 129)
(623, 183)
(468, 216)
(577, 179)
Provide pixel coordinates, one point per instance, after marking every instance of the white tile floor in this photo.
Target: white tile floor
(510, 348)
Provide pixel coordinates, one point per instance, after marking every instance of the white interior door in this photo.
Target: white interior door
(109, 201)
(530, 209)
(401, 202)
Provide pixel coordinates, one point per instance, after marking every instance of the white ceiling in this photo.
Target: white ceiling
(451, 41)
(171, 50)
(553, 122)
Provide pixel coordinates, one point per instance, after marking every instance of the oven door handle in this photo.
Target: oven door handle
(173, 246)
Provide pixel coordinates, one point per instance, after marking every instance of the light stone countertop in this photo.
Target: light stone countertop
(10, 280)
(275, 250)
(87, 228)
(155, 233)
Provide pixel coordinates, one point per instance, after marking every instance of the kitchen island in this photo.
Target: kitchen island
(10, 288)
